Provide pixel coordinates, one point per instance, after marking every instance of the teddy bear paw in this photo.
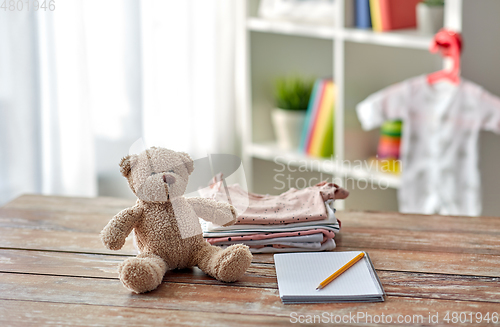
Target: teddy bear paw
(112, 242)
(229, 215)
(140, 274)
(232, 263)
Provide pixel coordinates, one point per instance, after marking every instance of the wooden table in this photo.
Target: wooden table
(54, 270)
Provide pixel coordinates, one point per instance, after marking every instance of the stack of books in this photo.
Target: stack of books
(386, 15)
(317, 134)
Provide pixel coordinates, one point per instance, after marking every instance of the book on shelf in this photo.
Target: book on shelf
(388, 15)
(362, 12)
(312, 111)
(322, 138)
(317, 134)
(375, 15)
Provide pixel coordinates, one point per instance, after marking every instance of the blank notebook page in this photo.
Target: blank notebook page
(300, 273)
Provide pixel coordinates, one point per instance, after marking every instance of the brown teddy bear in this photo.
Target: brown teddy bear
(166, 227)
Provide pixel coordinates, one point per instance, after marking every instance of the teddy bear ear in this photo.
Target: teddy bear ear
(126, 164)
(186, 159)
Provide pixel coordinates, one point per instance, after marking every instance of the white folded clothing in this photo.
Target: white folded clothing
(313, 238)
(244, 231)
(294, 245)
(327, 246)
(291, 241)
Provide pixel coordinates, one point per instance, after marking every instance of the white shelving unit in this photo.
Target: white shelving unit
(271, 152)
(408, 38)
(273, 48)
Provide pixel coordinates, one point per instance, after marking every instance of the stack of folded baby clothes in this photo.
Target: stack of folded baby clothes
(295, 221)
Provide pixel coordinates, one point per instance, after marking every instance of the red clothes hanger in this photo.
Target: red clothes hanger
(449, 44)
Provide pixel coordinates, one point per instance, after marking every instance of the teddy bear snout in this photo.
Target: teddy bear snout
(169, 179)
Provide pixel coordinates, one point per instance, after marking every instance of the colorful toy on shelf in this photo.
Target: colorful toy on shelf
(389, 146)
(390, 140)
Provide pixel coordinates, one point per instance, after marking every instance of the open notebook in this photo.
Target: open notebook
(300, 273)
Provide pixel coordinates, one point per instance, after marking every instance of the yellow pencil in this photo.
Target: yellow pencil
(340, 271)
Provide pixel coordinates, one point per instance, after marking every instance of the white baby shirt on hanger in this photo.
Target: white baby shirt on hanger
(439, 146)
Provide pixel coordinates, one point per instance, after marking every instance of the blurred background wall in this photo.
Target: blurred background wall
(80, 84)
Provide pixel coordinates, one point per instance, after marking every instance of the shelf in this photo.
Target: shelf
(290, 28)
(409, 38)
(271, 152)
(354, 58)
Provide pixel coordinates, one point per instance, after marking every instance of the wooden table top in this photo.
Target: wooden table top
(54, 270)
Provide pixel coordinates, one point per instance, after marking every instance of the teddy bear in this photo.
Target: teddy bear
(167, 231)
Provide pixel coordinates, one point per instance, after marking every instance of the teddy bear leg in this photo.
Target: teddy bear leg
(143, 273)
(227, 265)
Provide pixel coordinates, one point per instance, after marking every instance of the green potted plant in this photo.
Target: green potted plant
(291, 95)
(430, 16)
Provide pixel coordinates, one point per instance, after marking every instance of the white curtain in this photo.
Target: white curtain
(46, 143)
(80, 84)
(188, 55)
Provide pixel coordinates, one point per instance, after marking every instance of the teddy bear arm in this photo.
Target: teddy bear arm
(219, 213)
(116, 231)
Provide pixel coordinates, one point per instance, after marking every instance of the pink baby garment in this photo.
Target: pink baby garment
(269, 236)
(439, 148)
(293, 206)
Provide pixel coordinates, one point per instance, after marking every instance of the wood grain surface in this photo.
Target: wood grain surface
(55, 271)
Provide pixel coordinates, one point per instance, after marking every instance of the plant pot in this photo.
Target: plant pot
(430, 19)
(288, 126)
